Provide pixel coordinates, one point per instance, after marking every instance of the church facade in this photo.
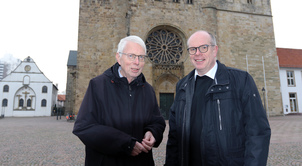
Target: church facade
(244, 32)
(26, 91)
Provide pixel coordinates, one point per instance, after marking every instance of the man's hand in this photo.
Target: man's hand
(145, 146)
(138, 148)
(148, 141)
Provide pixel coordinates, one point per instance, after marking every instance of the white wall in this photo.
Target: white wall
(285, 89)
(39, 96)
(32, 81)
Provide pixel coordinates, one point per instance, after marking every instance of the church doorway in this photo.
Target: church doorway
(165, 50)
(166, 101)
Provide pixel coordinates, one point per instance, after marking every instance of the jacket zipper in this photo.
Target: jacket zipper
(220, 125)
(219, 114)
(130, 107)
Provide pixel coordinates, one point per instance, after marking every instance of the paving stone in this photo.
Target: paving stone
(47, 141)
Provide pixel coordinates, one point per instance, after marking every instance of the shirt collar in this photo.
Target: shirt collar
(119, 72)
(211, 73)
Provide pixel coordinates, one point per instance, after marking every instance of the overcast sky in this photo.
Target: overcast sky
(46, 30)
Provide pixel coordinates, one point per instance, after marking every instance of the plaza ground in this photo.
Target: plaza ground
(47, 141)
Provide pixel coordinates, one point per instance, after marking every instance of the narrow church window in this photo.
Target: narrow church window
(5, 88)
(175, 0)
(21, 102)
(43, 103)
(250, 1)
(44, 89)
(28, 104)
(4, 103)
(189, 1)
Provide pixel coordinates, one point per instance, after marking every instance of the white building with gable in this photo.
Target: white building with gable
(26, 91)
(290, 63)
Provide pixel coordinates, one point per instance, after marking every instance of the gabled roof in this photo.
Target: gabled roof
(72, 58)
(27, 67)
(61, 97)
(289, 57)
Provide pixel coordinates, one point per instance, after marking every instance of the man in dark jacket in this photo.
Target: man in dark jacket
(119, 120)
(217, 118)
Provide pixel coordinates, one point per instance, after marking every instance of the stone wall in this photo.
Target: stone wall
(244, 34)
(70, 90)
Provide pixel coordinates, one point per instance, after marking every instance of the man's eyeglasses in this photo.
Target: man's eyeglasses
(202, 49)
(132, 57)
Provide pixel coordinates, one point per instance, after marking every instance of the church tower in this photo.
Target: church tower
(243, 28)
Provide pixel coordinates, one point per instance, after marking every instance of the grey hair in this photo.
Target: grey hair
(213, 38)
(135, 39)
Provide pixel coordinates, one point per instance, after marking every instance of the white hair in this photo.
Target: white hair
(132, 38)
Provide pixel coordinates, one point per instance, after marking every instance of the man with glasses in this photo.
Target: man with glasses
(119, 120)
(217, 117)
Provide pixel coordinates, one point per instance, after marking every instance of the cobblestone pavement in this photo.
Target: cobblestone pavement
(47, 141)
(286, 141)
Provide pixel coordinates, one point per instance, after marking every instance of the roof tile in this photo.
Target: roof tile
(289, 57)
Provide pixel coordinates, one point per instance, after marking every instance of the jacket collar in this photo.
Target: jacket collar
(115, 78)
(222, 76)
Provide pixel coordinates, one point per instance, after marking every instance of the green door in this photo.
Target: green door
(166, 100)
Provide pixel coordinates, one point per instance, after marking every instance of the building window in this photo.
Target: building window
(44, 89)
(293, 102)
(290, 78)
(175, 0)
(164, 47)
(43, 103)
(21, 102)
(4, 103)
(28, 104)
(5, 88)
(189, 1)
(250, 1)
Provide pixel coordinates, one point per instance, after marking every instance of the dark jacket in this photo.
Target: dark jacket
(235, 128)
(113, 115)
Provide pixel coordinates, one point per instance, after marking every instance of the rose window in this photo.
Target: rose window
(164, 47)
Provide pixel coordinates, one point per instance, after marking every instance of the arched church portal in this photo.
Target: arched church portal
(165, 49)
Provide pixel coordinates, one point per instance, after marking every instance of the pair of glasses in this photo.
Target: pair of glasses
(202, 49)
(132, 57)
